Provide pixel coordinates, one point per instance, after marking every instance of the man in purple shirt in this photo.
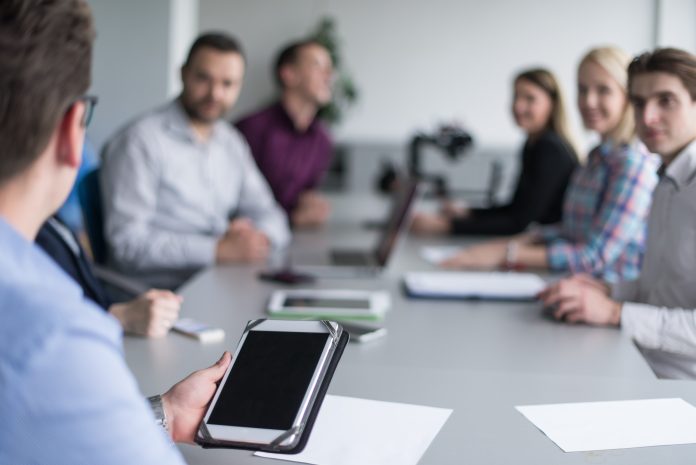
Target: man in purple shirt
(291, 146)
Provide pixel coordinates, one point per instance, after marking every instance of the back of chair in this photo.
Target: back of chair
(89, 193)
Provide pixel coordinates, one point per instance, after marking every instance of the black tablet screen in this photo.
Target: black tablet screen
(325, 302)
(269, 380)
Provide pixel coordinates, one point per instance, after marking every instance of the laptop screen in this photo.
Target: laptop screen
(404, 198)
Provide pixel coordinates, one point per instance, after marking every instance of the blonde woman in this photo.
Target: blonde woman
(605, 208)
(548, 160)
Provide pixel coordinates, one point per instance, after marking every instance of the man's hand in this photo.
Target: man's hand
(487, 256)
(186, 402)
(427, 223)
(570, 290)
(582, 298)
(242, 243)
(152, 314)
(312, 210)
(452, 209)
(525, 238)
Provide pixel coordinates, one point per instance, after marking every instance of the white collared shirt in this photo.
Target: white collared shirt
(659, 310)
(168, 197)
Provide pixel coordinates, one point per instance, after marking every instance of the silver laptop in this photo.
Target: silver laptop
(352, 263)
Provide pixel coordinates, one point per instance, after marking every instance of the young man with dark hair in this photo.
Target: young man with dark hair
(66, 395)
(291, 146)
(181, 190)
(658, 310)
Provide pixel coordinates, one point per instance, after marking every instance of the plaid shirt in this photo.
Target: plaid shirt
(604, 214)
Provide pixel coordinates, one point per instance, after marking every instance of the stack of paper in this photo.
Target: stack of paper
(474, 285)
(350, 431)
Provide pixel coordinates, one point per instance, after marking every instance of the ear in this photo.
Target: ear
(70, 137)
(182, 72)
(288, 76)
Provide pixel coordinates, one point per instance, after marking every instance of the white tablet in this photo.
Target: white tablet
(265, 399)
(329, 303)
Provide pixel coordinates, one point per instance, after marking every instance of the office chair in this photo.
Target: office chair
(119, 287)
(89, 193)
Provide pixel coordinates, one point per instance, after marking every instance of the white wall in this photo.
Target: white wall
(139, 48)
(130, 68)
(416, 62)
(183, 29)
(675, 24)
(420, 62)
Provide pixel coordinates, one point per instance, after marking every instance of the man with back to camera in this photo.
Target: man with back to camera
(658, 310)
(292, 147)
(66, 395)
(181, 190)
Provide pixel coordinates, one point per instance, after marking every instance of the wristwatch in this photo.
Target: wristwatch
(158, 411)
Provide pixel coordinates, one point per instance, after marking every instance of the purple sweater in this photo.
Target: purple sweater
(291, 161)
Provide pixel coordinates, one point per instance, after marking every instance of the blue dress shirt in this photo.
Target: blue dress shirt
(66, 394)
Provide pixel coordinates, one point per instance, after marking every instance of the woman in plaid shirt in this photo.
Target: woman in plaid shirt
(606, 206)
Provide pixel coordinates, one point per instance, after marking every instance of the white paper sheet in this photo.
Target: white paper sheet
(350, 431)
(492, 285)
(438, 254)
(591, 426)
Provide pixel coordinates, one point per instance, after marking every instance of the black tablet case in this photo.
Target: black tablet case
(207, 443)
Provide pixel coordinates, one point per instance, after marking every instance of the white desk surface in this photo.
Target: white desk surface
(478, 358)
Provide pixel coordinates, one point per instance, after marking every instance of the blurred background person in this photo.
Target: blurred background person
(291, 146)
(606, 206)
(548, 159)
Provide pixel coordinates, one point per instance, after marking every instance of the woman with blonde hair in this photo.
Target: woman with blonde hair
(548, 160)
(606, 206)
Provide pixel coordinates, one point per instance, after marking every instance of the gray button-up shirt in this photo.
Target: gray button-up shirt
(169, 197)
(659, 313)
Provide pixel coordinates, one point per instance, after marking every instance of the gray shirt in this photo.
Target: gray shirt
(169, 197)
(659, 310)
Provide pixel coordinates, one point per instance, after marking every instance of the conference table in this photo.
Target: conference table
(478, 358)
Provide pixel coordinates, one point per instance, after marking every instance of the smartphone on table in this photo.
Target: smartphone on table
(360, 333)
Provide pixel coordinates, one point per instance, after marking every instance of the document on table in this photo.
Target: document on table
(351, 431)
(438, 254)
(467, 285)
(591, 426)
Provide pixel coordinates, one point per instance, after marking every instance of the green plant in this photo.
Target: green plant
(345, 93)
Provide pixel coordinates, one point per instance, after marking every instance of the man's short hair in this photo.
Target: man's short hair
(289, 55)
(667, 60)
(216, 40)
(45, 65)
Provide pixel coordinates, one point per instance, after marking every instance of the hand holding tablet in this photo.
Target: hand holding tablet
(272, 390)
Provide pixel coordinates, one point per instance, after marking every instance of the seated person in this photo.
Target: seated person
(150, 314)
(547, 162)
(180, 188)
(66, 393)
(290, 144)
(607, 203)
(658, 309)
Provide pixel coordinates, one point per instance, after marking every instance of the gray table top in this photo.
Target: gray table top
(478, 358)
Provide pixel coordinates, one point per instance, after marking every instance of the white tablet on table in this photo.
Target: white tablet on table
(329, 304)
